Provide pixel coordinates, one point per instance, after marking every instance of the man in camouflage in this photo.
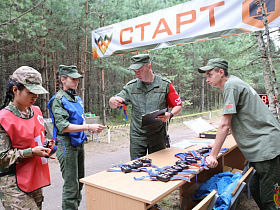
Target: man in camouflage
(11, 195)
(147, 93)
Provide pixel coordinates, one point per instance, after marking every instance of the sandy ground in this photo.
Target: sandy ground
(101, 155)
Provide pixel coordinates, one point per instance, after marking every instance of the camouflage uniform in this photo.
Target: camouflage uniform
(72, 162)
(12, 197)
(30, 78)
(145, 98)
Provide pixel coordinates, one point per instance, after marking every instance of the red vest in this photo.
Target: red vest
(32, 173)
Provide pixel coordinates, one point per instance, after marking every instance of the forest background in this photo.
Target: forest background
(44, 34)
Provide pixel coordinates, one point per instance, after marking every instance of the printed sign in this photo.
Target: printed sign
(192, 21)
(264, 98)
(252, 12)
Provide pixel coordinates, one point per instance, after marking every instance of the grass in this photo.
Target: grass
(171, 201)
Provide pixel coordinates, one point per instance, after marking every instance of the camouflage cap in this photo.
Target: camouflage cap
(137, 61)
(70, 71)
(30, 78)
(212, 63)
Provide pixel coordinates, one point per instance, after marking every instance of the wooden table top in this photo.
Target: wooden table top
(146, 190)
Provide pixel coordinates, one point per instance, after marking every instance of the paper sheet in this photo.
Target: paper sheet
(182, 144)
(187, 143)
(199, 125)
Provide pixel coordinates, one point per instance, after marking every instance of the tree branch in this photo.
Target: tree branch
(14, 19)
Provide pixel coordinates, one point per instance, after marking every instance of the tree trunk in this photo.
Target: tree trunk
(274, 82)
(4, 72)
(220, 98)
(89, 91)
(216, 95)
(78, 59)
(202, 92)
(16, 53)
(85, 58)
(69, 54)
(103, 97)
(47, 86)
(43, 68)
(266, 74)
(55, 83)
(102, 83)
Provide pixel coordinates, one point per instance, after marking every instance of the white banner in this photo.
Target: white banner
(192, 21)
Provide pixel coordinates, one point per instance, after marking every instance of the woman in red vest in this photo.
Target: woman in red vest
(24, 168)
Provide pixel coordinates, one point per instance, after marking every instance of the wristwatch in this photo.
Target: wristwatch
(171, 115)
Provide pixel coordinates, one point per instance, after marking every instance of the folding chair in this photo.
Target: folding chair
(208, 202)
(235, 199)
(248, 178)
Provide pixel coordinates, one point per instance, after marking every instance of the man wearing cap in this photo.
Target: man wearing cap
(254, 128)
(147, 93)
(67, 113)
(24, 169)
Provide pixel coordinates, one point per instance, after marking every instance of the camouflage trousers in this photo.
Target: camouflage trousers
(140, 149)
(263, 182)
(13, 198)
(72, 169)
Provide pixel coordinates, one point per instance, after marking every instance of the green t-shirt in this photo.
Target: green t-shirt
(253, 126)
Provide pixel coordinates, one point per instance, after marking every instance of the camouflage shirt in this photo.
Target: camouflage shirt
(9, 155)
(146, 98)
(61, 116)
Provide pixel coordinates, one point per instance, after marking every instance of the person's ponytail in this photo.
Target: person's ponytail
(9, 92)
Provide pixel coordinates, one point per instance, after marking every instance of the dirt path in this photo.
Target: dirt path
(101, 156)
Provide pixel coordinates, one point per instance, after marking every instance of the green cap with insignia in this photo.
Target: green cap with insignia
(137, 61)
(212, 63)
(70, 71)
(30, 78)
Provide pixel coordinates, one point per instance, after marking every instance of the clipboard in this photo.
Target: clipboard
(148, 119)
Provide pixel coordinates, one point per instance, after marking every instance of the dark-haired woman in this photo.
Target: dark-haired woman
(24, 169)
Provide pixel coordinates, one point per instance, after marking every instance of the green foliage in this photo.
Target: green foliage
(54, 33)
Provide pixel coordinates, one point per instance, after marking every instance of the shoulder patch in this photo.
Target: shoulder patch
(131, 82)
(165, 79)
(229, 107)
